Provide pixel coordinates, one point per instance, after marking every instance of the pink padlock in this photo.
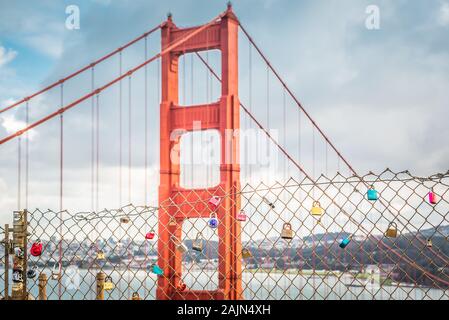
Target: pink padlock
(241, 216)
(432, 198)
(215, 201)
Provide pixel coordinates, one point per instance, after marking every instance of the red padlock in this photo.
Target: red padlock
(432, 198)
(36, 249)
(181, 286)
(149, 235)
(241, 216)
(215, 202)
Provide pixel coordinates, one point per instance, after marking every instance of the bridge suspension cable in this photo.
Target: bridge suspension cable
(111, 83)
(358, 225)
(82, 70)
(440, 254)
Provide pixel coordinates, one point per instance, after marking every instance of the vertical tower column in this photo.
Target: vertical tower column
(222, 116)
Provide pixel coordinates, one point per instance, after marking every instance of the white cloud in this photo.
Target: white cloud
(49, 45)
(443, 18)
(6, 55)
(12, 125)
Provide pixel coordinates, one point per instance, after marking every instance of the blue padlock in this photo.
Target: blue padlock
(213, 221)
(372, 194)
(157, 270)
(344, 243)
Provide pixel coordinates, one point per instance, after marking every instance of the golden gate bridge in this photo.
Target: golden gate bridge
(306, 235)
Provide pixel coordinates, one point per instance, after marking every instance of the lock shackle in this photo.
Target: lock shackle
(393, 224)
(56, 272)
(176, 241)
(287, 225)
(213, 214)
(371, 187)
(108, 279)
(199, 236)
(316, 204)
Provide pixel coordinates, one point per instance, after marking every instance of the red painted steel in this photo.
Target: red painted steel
(222, 116)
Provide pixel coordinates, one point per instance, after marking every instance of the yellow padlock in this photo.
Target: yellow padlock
(316, 209)
(392, 231)
(108, 284)
(246, 254)
(287, 232)
(100, 255)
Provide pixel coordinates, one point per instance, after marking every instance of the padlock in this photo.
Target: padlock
(100, 255)
(150, 235)
(197, 244)
(136, 296)
(215, 202)
(181, 286)
(241, 216)
(17, 287)
(287, 232)
(271, 204)
(157, 270)
(344, 243)
(108, 284)
(432, 198)
(180, 246)
(56, 272)
(316, 209)
(213, 221)
(172, 222)
(372, 194)
(17, 276)
(17, 265)
(18, 217)
(31, 273)
(124, 220)
(429, 243)
(36, 249)
(19, 252)
(392, 231)
(246, 253)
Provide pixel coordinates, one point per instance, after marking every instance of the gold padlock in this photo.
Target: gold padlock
(287, 232)
(124, 220)
(316, 209)
(172, 222)
(197, 244)
(136, 296)
(246, 253)
(100, 255)
(392, 231)
(108, 284)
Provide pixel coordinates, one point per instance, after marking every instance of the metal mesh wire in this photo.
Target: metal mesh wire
(2, 265)
(311, 265)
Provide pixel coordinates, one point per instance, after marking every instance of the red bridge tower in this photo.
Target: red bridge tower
(222, 116)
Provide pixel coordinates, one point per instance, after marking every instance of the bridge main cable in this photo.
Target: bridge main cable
(76, 73)
(355, 173)
(109, 84)
(300, 168)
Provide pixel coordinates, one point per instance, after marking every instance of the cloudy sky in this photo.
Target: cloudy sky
(381, 95)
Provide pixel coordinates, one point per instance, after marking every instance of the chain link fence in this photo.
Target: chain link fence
(379, 236)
